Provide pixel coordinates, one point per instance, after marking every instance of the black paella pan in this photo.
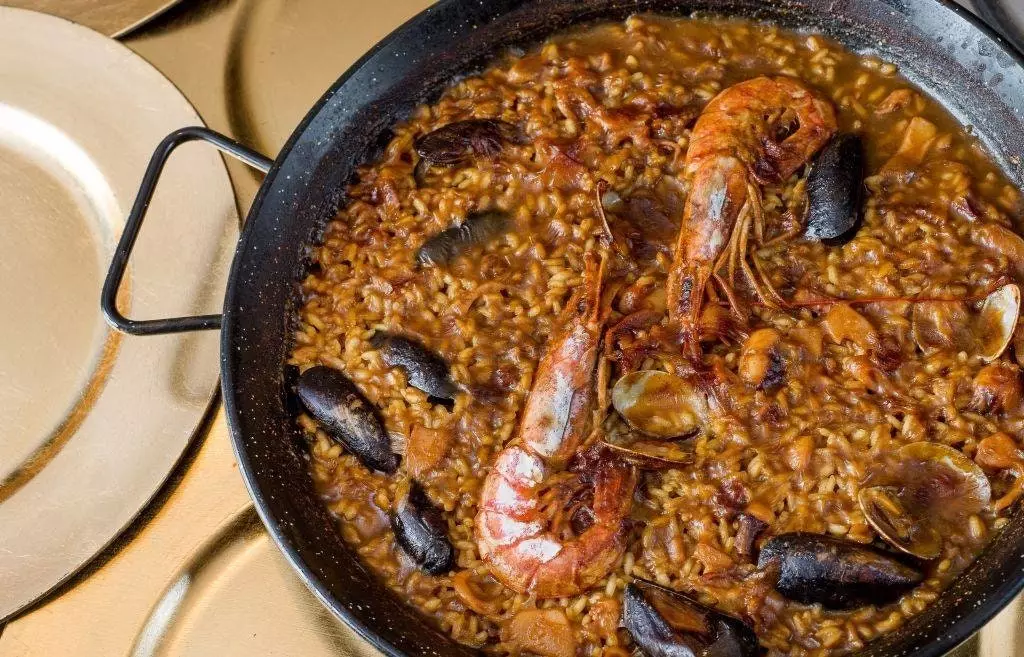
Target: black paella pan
(952, 56)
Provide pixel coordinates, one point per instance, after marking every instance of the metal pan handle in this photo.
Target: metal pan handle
(122, 253)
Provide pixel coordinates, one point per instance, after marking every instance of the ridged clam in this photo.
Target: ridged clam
(930, 491)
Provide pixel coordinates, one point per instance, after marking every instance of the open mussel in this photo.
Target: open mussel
(347, 416)
(666, 623)
(422, 532)
(423, 368)
(951, 325)
(835, 573)
(928, 493)
(461, 141)
(660, 404)
(834, 190)
(477, 228)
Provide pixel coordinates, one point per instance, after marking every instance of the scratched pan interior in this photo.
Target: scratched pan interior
(953, 57)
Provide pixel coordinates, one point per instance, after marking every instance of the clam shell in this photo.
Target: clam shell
(997, 321)
(933, 489)
(937, 325)
(976, 483)
(886, 513)
(660, 404)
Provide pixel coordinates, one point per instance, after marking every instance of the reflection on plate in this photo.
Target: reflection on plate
(237, 596)
(111, 17)
(93, 422)
(268, 97)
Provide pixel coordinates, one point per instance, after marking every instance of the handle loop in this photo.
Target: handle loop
(119, 264)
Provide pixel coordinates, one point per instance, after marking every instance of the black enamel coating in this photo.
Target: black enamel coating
(948, 53)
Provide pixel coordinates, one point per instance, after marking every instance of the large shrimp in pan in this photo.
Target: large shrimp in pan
(734, 147)
(515, 537)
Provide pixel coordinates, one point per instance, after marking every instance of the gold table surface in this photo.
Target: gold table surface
(197, 575)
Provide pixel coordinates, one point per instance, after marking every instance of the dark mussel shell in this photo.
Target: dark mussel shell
(422, 531)
(666, 623)
(838, 574)
(477, 228)
(423, 368)
(834, 191)
(347, 416)
(462, 140)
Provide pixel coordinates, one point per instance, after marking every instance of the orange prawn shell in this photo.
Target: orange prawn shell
(513, 537)
(729, 151)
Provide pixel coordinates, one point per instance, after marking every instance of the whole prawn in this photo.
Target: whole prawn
(514, 538)
(731, 149)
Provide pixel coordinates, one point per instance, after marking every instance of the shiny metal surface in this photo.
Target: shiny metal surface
(111, 17)
(93, 423)
(199, 577)
(216, 589)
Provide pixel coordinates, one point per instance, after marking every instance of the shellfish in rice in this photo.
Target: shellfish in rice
(660, 404)
(834, 191)
(461, 141)
(346, 416)
(422, 531)
(950, 325)
(930, 491)
(424, 369)
(837, 574)
(667, 623)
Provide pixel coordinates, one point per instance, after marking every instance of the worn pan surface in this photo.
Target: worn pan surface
(955, 59)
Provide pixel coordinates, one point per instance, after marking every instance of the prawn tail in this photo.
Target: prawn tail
(521, 550)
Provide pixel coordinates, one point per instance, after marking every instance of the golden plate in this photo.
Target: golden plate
(111, 17)
(93, 422)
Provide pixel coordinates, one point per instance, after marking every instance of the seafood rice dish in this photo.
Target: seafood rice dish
(670, 337)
